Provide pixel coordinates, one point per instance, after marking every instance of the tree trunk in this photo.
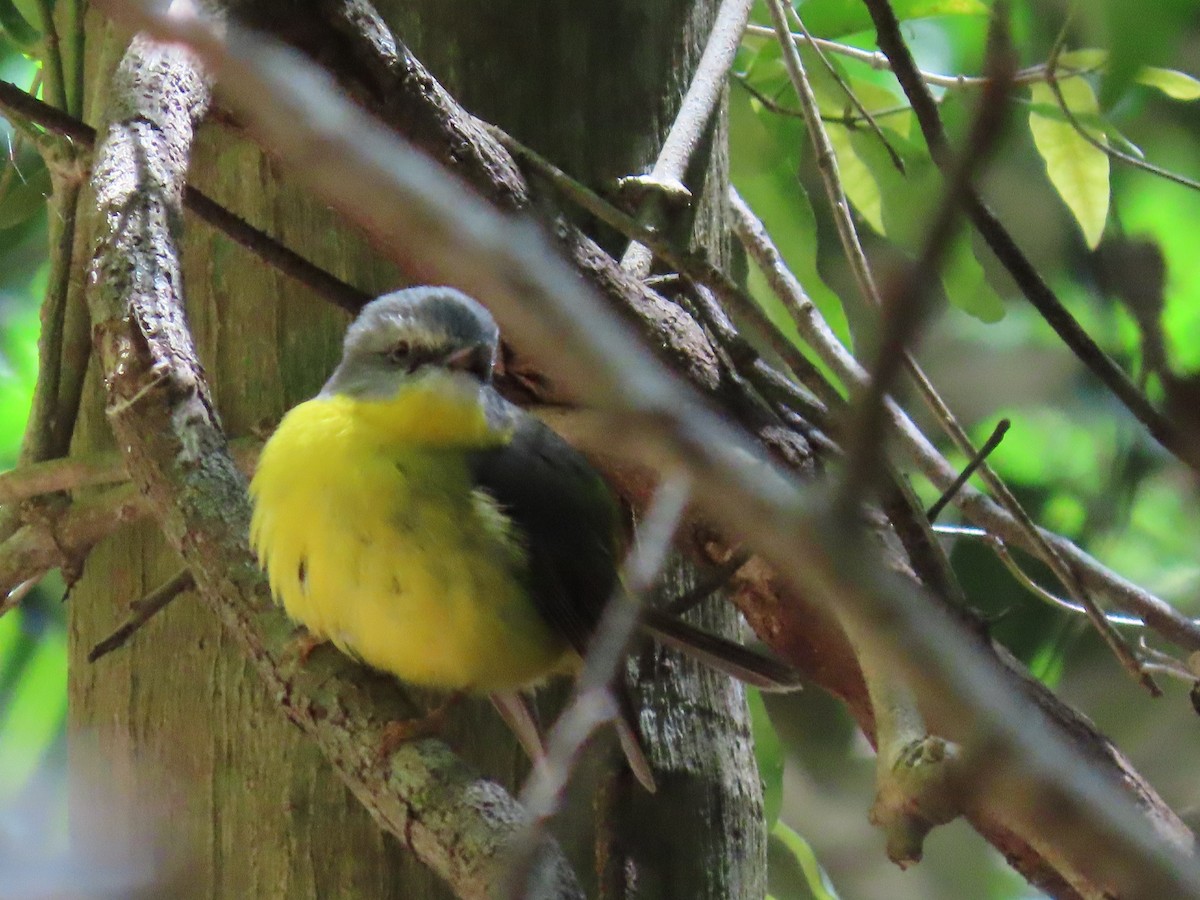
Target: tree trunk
(595, 88)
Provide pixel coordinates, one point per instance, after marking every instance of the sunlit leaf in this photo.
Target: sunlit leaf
(1078, 170)
(860, 185)
(1175, 84)
(834, 18)
(907, 201)
(1048, 663)
(1085, 59)
(802, 853)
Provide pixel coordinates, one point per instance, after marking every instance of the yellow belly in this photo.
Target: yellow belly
(371, 535)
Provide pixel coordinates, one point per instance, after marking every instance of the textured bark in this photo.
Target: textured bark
(250, 797)
(595, 87)
(254, 802)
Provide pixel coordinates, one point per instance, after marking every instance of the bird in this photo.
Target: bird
(433, 530)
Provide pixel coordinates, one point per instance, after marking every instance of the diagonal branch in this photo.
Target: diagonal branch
(1010, 255)
(160, 410)
(445, 234)
(695, 114)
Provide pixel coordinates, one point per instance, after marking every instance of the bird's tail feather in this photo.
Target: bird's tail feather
(630, 737)
(757, 669)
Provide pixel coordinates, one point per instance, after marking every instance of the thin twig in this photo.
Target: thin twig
(1159, 615)
(880, 62)
(1006, 250)
(973, 463)
(68, 474)
(1024, 578)
(1109, 150)
(322, 283)
(826, 157)
(1166, 664)
(845, 119)
(687, 131)
(848, 91)
(142, 611)
(60, 540)
(36, 479)
(696, 268)
(14, 597)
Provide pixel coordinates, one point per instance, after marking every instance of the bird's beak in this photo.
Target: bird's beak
(475, 360)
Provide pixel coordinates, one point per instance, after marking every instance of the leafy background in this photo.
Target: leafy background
(1077, 461)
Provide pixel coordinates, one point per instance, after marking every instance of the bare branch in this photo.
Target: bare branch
(1159, 615)
(1004, 246)
(237, 229)
(161, 412)
(689, 126)
(142, 611)
(446, 235)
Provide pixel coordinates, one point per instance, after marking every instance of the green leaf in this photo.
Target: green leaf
(834, 18)
(799, 850)
(768, 752)
(907, 201)
(17, 28)
(966, 285)
(1078, 170)
(1175, 84)
(1085, 59)
(862, 190)
(764, 159)
(1139, 33)
(33, 717)
(1049, 662)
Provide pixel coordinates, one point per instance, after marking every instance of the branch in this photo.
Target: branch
(161, 413)
(978, 508)
(1004, 246)
(879, 61)
(695, 112)
(16, 101)
(446, 235)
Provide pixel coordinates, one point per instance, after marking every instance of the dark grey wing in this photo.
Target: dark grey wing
(565, 513)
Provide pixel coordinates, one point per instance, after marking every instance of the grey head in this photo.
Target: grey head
(398, 335)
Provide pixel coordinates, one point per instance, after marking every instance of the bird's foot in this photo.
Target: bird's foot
(401, 731)
(306, 642)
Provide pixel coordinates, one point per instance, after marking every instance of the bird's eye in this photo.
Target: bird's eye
(399, 353)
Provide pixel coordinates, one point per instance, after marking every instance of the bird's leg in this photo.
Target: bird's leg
(431, 724)
(306, 642)
(517, 714)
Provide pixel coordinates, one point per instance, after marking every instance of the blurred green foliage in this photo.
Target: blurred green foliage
(33, 696)
(1076, 460)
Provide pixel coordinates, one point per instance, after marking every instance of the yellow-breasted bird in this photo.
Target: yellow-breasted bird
(427, 526)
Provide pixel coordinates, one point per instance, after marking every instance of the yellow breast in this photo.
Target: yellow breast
(372, 535)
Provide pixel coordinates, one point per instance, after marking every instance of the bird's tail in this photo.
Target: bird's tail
(757, 669)
(630, 736)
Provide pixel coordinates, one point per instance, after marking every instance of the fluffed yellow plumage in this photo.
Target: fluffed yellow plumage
(373, 535)
(427, 526)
